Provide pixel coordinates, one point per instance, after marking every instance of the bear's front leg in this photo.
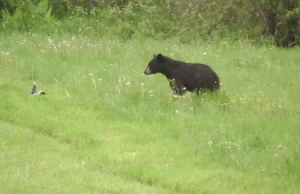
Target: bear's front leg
(176, 86)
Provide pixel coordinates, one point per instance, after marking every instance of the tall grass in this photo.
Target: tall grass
(105, 127)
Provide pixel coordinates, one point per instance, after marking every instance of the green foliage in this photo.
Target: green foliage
(60, 8)
(292, 14)
(184, 20)
(29, 16)
(282, 20)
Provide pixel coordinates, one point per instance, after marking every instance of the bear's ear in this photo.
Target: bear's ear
(160, 57)
(154, 55)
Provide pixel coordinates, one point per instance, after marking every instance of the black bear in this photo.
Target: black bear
(192, 77)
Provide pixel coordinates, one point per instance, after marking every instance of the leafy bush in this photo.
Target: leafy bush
(29, 16)
(185, 20)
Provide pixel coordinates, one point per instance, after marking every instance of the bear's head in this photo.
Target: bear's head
(155, 65)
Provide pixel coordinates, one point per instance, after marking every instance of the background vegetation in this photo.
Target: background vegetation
(187, 20)
(104, 127)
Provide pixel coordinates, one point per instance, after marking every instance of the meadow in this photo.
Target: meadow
(104, 127)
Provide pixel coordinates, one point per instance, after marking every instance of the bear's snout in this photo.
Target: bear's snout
(147, 71)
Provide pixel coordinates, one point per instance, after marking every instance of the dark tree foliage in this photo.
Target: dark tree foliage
(282, 18)
(10, 6)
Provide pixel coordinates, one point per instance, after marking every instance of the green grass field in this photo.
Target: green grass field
(104, 127)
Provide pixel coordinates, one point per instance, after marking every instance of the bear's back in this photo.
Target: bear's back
(197, 75)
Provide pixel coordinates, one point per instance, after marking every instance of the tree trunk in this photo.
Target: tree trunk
(271, 21)
(269, 15)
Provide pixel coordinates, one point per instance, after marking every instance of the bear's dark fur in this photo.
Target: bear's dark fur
(193, 77)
